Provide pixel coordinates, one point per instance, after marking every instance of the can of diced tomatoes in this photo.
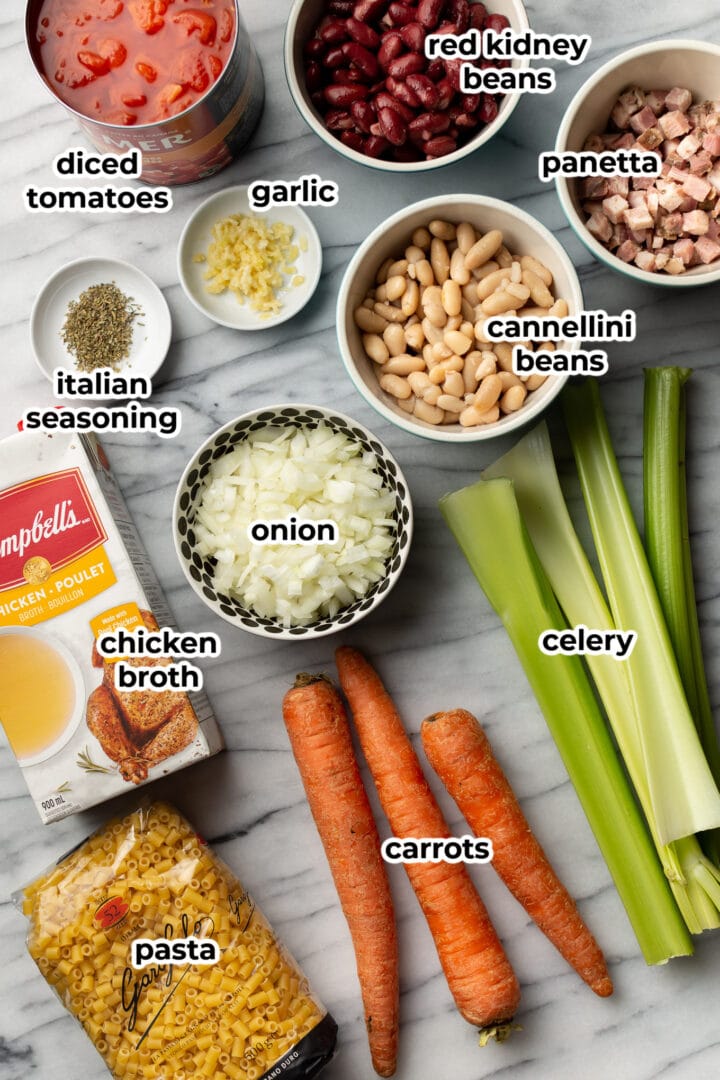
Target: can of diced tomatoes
(177, 79)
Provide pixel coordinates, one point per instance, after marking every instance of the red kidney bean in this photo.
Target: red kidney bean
(446, 94)
(413, 36)
(342, 95)
(403, 92)
(392, 126)
(369, 10)
(488, 110)
(447, 28)
(363, 34)
(341, 7)
(409, 64)
(472, 102)
(375, 146)
(436, 70)
(333, 31)
(426, 125)
(466, 120)
(335, 57)
(458, 11)
(429, 13)
(314, 47)
(392, 46)
(313, 76)
(361, 58)
(496, 23)
(339, 120)
(354, 140)
(364, 115)
(478, 15)
(385, 100)
(346, 75)
(318, 99)
(440, 146)
(452, 71)
(424, 89)
(400, 14)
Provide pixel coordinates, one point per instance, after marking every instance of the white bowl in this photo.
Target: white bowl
(151, 340)
(304, 17)
(658, 65)
(225, 308)
(199, 570)
(523, 234)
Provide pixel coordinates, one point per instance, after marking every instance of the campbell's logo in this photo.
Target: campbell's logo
(111, 912)
(52, 517)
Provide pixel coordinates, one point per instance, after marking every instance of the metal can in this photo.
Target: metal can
(196, 143)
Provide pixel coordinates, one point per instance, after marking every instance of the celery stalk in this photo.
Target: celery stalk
(486, 523)
(668, 547)
(531, 467)
(683, 794)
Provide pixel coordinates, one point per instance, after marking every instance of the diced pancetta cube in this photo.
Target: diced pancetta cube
(622, 142)
(661, 260)
(684, 249)
(674, 266)
(673, 124)
(707, 250)
(678, 98)
(650, 140)
(599, 226)
(701, 163)
(637, 198)
(645, 260)
(613, 208)
(656, 100)
(594, 187)
(696, 222)
(696, 187)
(642, 183)
(669, 196)
(670, 226)
(711, 143)
(618, 185)
(626, 106)
(687, 205)
(689, 146)
(713, 177)
(643, 120)
(653, 202)
(628, 251)
(638, 218)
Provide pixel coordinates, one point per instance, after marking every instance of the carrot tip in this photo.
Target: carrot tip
(305, 679)
(499, 1032)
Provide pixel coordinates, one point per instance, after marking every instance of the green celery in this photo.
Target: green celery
(667, 543)
(683, 794)
(486, 522)
(531, 467)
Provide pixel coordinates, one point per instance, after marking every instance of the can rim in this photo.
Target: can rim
(36, 4)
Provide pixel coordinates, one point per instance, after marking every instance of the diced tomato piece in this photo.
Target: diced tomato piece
(194, 20)
(227, 25)
(127, 119)
(134, 101)
(190, 70)
(99, 65)
(216, 65)
(105, 9)
(148, 14)
(146, 71)
(114, 52)
(169, 93)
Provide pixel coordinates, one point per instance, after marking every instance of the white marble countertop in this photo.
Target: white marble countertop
(435, 640)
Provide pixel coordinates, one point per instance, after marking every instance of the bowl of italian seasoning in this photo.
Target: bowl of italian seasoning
(98, 319)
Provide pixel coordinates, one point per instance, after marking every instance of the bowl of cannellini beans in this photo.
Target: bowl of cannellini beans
(413, 308)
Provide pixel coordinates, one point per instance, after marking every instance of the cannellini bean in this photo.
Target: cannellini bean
(396, 386)
(465, 236)
(518, 290)
(470, 379)
(472, 416)
(479, 332)
(369, 302)
(410, 299)
(428, 357)
(497, 304)
(449, 403)
(408, 405)
(534, 382)
(507, 379)
(443, 230)
(458, 342)
(481, 272)
(467, 311)
(381, 276)
(389, 313)
(432, 333)
(488, 393)
(441, 351)
(504, 257)
(431, 394)
(414, 254)
(536, 267)
(483, 249)
(429, 413)
(424, 272)
(488, 285)
(415, 336)
(394, 339)
(469, 292)
(539, 291)
(513, 398)
(451, 297)
(487, 364)
(504, 353)
(454, 384)
(467, 329)
(403, 365)
(376, 348)
(516, 272)
(395, 287)
(370, 321)
(421, 238)
(443, 368)
(381, 293)
(398, 269)
(436, 314)
(454, 322)
(419, 381)
(559, 309)
(440, 260)
(458, 271)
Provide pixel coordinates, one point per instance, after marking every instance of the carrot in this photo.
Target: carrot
(460, 753)
(477, 971)
(320, 738)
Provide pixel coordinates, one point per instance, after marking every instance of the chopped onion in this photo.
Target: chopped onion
(313, 474)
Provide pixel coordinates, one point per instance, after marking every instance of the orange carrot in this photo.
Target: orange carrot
(320, 738)
(460, 753)
(477, 971)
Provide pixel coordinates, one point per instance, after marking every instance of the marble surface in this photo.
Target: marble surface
(435, 640)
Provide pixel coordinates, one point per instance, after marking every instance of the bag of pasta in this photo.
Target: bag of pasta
(248, 1016)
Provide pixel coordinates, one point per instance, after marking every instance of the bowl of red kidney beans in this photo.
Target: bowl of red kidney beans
(359, 75)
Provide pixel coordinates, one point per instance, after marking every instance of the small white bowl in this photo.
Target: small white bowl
(199, 570)
(151, 340)
(523, 234)
(658, 65)
(225, 308)
(304, 17)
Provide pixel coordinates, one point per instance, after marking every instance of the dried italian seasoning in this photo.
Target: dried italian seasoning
(98, 327)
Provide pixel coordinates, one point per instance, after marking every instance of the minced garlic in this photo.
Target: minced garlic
(250, 257)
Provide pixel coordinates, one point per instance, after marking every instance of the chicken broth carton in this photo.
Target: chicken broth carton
(72, 568)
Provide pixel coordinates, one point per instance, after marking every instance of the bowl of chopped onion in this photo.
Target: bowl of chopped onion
(292, 521)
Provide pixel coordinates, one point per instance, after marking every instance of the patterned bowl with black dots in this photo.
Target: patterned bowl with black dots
(199, 569)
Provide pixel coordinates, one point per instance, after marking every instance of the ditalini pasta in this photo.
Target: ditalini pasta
(250, 1016)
